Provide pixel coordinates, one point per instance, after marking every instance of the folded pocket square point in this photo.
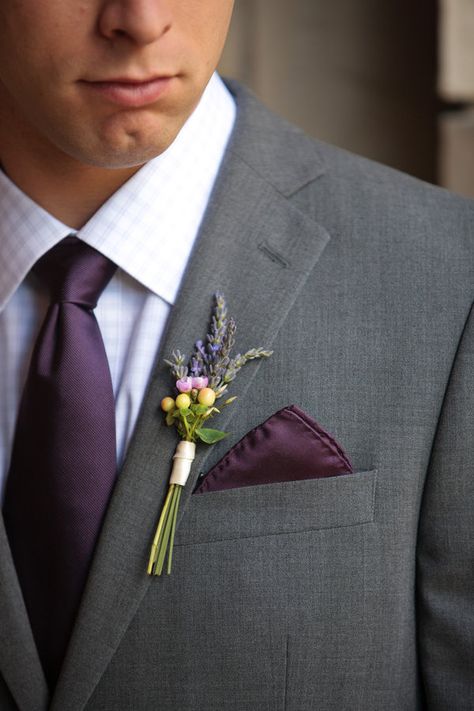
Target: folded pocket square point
(288, 446)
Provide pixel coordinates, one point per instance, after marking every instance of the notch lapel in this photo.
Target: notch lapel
(257, 249)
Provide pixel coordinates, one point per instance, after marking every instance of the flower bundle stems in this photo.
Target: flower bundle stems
(164, 536)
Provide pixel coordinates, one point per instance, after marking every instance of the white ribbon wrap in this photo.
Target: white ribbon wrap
(182, 460)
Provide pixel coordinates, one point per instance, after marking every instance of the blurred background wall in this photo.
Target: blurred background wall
(392, 80)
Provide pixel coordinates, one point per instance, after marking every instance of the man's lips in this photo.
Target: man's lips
(131, 93)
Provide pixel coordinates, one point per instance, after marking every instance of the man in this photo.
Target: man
(349, 592)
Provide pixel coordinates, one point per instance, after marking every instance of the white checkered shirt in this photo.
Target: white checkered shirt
(147, 228)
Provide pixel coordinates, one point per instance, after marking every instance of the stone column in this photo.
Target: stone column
(359, 74)
(456, 87)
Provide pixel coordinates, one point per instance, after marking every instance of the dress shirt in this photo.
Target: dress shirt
(148, 228)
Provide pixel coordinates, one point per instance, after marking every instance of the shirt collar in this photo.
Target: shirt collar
(149, 225)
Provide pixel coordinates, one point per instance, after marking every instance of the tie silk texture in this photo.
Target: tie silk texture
(63, 465)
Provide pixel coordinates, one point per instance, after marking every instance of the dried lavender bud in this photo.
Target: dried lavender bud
(240, 360)
(218, 327)
(178, 369)
(229, 338)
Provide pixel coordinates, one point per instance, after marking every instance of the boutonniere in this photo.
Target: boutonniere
(200, 384)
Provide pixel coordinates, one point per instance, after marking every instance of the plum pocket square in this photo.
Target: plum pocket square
(288, 446)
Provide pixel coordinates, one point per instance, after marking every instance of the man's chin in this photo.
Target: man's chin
(122, 159)
(131, 150)
(128, 153)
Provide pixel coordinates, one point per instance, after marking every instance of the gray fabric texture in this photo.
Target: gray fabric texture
(353, 593)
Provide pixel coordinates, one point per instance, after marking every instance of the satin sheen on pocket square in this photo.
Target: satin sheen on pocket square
(288, 446)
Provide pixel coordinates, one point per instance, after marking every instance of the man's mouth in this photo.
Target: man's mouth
(130, 92)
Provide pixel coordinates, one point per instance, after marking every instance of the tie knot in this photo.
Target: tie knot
(74, 272)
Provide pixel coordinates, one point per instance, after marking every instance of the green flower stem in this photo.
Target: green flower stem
(170, 555)
(165, 532)
(156, 540)
(188, 433)
(163, 545)
(196, 426)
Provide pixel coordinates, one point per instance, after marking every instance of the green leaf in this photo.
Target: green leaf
(169, 419)
(199, 409)
(184, 412)
(210, 436)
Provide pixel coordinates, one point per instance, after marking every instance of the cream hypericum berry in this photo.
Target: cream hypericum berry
(207, 396)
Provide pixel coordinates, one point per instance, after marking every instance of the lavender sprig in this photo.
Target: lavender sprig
(218, 325)
(223, 357)
(198, 360)
(240, 360)
(215, 337)
(205, 359)
(212, 358)
(178, 369)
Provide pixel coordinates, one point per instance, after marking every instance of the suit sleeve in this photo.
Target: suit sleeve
(445, 554)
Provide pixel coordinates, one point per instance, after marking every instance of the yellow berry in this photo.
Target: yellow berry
(167, 404)
(207, 396)
(183, 401)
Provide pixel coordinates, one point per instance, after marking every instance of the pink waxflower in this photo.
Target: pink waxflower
(185, 384)
(200, 383)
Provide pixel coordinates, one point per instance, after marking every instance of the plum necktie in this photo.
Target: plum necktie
(63, 466)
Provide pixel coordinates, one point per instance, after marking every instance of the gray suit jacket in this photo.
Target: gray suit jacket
(350, 593)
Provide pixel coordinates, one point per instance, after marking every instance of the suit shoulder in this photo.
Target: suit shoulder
(402, 206)
(338, 187)
(372, 181)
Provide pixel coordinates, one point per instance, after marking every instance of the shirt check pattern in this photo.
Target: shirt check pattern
(148, 228)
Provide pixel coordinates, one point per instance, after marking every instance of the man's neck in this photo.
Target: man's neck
(71, 195)
(69, 190)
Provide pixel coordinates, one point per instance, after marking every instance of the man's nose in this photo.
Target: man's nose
(141, 21)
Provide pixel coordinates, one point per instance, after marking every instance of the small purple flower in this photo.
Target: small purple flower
(200, 383)
(185, 384)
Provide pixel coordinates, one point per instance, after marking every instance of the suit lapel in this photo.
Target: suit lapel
(19, 662)
(257, 249)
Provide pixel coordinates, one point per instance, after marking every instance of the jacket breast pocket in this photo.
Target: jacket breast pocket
(286, 507)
